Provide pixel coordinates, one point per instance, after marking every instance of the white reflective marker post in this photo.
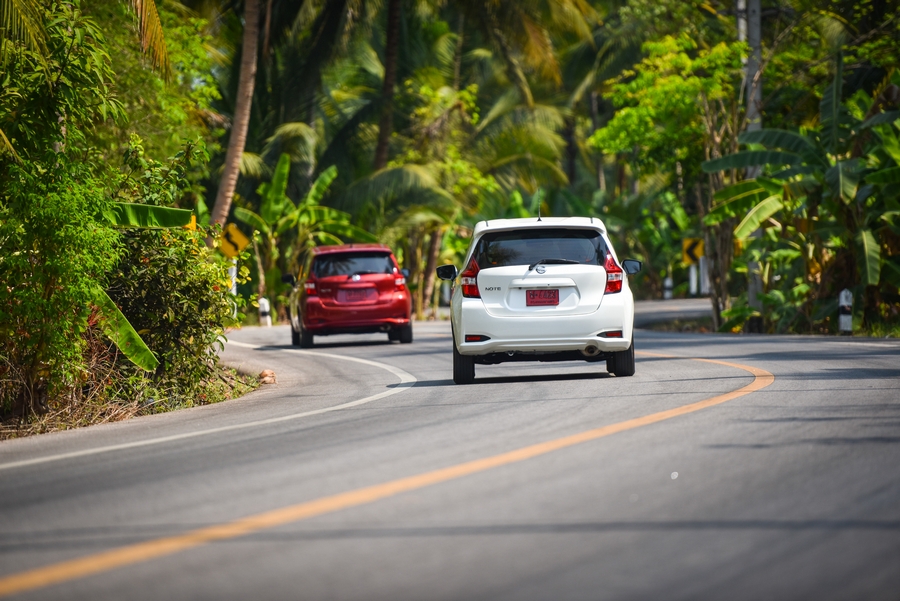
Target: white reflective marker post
(265, 316)
(232, 273)
(845, 312)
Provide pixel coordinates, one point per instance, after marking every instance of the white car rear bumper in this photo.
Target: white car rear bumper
(542, 332)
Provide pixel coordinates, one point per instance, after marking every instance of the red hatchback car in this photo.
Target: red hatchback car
(350, 288)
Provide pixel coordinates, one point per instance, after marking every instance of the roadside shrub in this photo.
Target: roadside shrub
(176, 294)
(53, 253)
(173, 289)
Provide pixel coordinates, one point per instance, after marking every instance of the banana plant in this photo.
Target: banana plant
(111, 320)
(312, 223)
(831, 191)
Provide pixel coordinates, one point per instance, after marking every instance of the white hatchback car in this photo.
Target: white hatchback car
(535, 289)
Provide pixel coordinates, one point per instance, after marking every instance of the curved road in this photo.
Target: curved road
(728, 467)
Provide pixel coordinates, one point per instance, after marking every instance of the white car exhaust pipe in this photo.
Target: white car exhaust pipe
(590, 351)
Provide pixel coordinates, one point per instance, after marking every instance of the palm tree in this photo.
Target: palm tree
(241, 118)
(385, 125)
(293, 69)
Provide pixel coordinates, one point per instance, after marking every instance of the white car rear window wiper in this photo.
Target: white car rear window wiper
(553, 262)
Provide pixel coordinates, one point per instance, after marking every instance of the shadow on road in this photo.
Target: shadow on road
(518, 379)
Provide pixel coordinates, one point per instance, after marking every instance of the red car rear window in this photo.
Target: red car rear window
(356, 263)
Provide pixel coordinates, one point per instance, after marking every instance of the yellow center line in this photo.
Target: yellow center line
(141, 552)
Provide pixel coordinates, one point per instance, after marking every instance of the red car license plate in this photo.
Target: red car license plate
(541, 298)
(354, 296)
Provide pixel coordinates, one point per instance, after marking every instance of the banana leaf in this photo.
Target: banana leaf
(320, 186)
(881, 119)
(736, 200)
(117, 327)
(346, 230)
(751, 158)
(127, 214)
(274, 200)
(843, 179)
(884, 176)
(869, 257)
(792, 171)
(780, 139)
(757, 215)
(736, 190)
(252, 219)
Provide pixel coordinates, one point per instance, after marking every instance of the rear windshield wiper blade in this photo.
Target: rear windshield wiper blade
(350, 275)
(553, 262)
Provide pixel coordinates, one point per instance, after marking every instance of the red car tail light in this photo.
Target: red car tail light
(614, 275)
(399, 283)
(468, 279)
(310, 287)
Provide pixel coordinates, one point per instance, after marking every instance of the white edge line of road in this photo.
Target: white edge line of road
(407, 380)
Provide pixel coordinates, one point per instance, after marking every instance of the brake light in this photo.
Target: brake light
(614, 275)
(468, 279)
(309, 287)
(399, 282)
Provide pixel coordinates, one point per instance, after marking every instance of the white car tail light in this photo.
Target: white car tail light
(614, 275)
(468, 280)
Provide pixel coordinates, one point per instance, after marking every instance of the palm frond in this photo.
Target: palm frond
(150, 29)
(22, 21)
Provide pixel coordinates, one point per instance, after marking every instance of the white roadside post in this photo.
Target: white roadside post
(265, 316)
(845, 312)
(704, 276)
(668, 285)
(232, 273)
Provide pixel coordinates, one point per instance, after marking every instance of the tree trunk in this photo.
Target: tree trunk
(434, 251)
(457, 54)
(571, 151)
(595, 124)
(753, 84)
(386, 124)
(719, 250)
(261, 283)
(241, 121)
(266, 30)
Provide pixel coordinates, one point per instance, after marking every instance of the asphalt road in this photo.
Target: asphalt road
(769, 472)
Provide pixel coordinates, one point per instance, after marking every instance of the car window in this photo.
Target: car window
(334, 264)
(527, 246)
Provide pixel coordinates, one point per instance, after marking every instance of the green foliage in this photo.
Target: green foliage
(832, 207)
(665, 100)
(51, 101)
(286, 231)
(53, 251)
(175, 293)
(54, 245)
(117, 327)
(164, 113)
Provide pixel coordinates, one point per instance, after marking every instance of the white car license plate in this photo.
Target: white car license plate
(542, 298)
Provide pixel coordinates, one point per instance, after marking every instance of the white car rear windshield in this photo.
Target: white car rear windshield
(531, 246)
(356, 263)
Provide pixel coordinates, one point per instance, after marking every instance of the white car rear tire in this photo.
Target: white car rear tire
(622, 362)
